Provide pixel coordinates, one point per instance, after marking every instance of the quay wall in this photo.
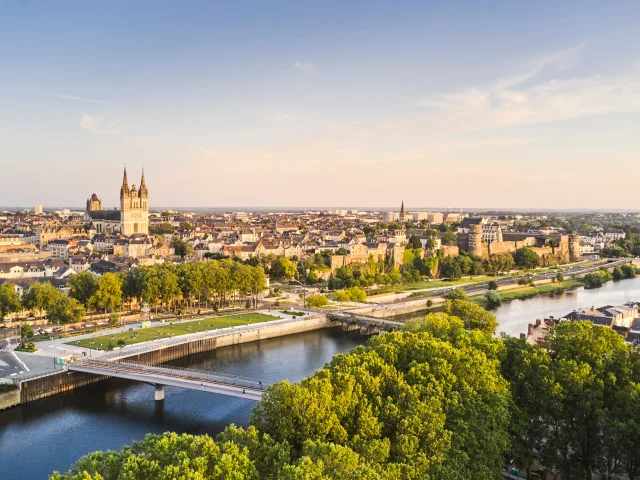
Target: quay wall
(9, 399)
(64, 381)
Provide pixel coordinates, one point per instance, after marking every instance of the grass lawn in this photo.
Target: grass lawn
(529, 292)
(167, 331)
(430, 284)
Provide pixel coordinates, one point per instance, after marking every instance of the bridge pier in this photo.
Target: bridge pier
(159, 392)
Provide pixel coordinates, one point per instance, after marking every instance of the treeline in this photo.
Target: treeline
(168, 285)
(599, 278)
(443, 399)
(40, 298)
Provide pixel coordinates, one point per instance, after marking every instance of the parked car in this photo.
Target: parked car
(58, 330)
(77, 327)
(89, 325)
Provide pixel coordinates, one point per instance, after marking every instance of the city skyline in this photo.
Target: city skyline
(506, 106)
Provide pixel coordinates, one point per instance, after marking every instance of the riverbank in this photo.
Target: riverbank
(524, 292)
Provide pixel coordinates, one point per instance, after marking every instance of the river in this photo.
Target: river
(513, 317)
(50, 434)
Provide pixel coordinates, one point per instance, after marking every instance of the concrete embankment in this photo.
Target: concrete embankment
(63, 381)
(9, 399)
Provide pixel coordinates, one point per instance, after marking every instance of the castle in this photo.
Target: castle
(550, 248)
(133, 216)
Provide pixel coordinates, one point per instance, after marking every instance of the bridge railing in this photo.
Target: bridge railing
(171, 371)
(190, 337)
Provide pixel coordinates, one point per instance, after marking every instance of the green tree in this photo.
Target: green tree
(9, 300)
(473, 316)
(450, 269)
(82, 286)
(493, 299)
(413, 243)
(26, 331)
(182, 248)
(39, 297)
(108, 293)
(317, 300)
(560, 277)
(526, 258)
(64, 310)
(283, 268)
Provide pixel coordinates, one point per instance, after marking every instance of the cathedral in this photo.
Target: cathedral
(133, 216)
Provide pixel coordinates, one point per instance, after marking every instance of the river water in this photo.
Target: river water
(50, 434)
(513, 317)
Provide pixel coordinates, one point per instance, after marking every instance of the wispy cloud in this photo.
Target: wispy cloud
(305, 66)
(527, 98)
(96, 124)
(76, 98)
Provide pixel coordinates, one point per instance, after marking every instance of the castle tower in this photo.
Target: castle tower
(574, 247)
(475, 239)
(402, 218)
(134, 207)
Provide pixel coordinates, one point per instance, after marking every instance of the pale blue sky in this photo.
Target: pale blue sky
(467, 104)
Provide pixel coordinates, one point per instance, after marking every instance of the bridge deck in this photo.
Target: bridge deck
(174, 376)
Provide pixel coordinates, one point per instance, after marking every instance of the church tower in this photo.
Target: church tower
(134, 207)
(402, 218)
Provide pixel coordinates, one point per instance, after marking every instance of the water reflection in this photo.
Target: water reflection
(107, 415)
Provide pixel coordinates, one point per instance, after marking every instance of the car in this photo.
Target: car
(58, 330)
(77, 327)
(89, 325)
(101, 323)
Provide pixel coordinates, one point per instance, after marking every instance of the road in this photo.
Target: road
(10, 366)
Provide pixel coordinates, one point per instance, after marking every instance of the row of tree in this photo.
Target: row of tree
(41, 297)
(170, 285)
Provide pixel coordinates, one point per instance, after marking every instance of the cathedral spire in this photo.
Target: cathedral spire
(402, 207)
(143, 185)
(124, 190)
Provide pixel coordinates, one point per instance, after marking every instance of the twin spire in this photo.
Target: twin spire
(125, 191)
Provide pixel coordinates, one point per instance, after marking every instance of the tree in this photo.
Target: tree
(389, 402)
(182, 248)
(113, 320)
(64, 310)
(450, 269)
(413, 243)
(9, 300)
(317, 300)
(492, 285)
(473, 316)
(108, 293)
(456, 294)
(560, 277)
(283, 268)
(526, 258)
(617, 274)
(26, 331)
(82, 286)
(493, 299)
(39, 297)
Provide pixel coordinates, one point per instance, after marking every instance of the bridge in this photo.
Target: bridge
(366, 325)
(163, 375)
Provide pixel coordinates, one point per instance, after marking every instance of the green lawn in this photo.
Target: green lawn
(529, 292)
(168, 331)
(431, 284)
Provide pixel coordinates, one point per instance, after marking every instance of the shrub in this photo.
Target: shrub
(456, 294)
(493, 299)
(560, 277)
(493, 285)
(429, 303)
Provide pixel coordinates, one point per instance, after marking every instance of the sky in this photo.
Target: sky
(356, 104)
